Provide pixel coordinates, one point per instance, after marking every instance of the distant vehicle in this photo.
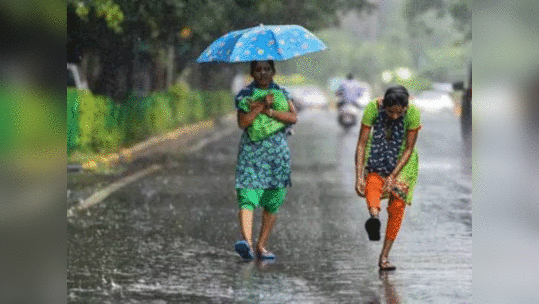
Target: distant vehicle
(74, 77)
(367, 94)
(348, 116)
(433, 101)
(308, 96)
(334, 83)
(443, 86)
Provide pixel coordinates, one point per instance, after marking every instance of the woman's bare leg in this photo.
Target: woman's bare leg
(268, 221)
(246, 225)
(395, 215)
(385, 250)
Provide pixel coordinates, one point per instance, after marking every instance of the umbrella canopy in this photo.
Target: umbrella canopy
(263, 42)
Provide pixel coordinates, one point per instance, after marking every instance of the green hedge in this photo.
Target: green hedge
(98, 131)
(72, 118)
(99, 125)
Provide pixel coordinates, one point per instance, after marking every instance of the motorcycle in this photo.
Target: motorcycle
(348, 115)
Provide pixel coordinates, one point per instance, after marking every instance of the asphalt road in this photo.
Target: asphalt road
(168, 237)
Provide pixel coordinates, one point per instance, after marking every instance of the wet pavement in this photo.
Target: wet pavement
(168, 237)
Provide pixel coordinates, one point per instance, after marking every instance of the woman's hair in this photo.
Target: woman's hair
(397, 95)
(271, 63)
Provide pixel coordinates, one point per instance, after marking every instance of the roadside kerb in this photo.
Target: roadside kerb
(129, 154)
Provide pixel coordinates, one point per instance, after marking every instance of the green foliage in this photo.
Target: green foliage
(415, 8)
(415, 84)
(227, 102)
(462, 12)
(72, 119)
(179, 103)
(159, 24)
(104, 126)
(96, 132)
(107, 9)
(217, 103)
(9, 108)
(447, 57)
(456, 13)
(196, 106)
(349, 54)
(132, 116)
(159, 116)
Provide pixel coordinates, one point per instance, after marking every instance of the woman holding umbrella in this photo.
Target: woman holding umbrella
(264, 112)
(263, 168)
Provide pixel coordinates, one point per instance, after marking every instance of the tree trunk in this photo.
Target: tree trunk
(170, 66)
(205, 77)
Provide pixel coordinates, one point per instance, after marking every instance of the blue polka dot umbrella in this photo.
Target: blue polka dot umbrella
(263, 42)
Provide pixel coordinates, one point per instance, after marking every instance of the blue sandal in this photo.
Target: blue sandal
(243, 249)
(266, 255)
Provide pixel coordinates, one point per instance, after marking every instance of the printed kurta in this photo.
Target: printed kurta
(263, 164)
(407, 178)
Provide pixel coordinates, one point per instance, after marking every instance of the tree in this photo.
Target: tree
(459, 10)
(440, 32)
(175, 32)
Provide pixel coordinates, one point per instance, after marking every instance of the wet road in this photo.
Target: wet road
(168, 238)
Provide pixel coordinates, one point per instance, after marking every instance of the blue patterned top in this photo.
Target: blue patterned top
(263, 164)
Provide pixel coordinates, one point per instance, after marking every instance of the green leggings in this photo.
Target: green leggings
(270, 199)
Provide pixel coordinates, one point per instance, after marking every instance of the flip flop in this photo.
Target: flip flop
(373, 228)
(266, 255)
(264, 263)
(243, 249)
(386, 266)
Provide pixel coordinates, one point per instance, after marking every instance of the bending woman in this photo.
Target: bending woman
(387, 163)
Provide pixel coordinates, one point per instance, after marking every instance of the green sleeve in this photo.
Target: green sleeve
(413, 118)
(281, 101)
(243, 104)
(370, 113)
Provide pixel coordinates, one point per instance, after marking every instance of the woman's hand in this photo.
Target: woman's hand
(269, 99)
(389, 183)
(269, 112)
(257, 107)
(246, 119)
(360, 185)
(290, 117)
(360, 158)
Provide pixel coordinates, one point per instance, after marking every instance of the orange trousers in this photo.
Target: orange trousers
(395, 208)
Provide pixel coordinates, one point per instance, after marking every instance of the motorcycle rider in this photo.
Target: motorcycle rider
(349, 92)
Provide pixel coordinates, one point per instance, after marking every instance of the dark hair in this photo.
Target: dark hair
(350, 76)
(253, 65)
(397, 95)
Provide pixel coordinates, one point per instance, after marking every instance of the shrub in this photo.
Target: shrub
(97, 130)
(159, 116)
(196, 107)
(103, 126)
(132, 118)
(180, 103)
(72, 119)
